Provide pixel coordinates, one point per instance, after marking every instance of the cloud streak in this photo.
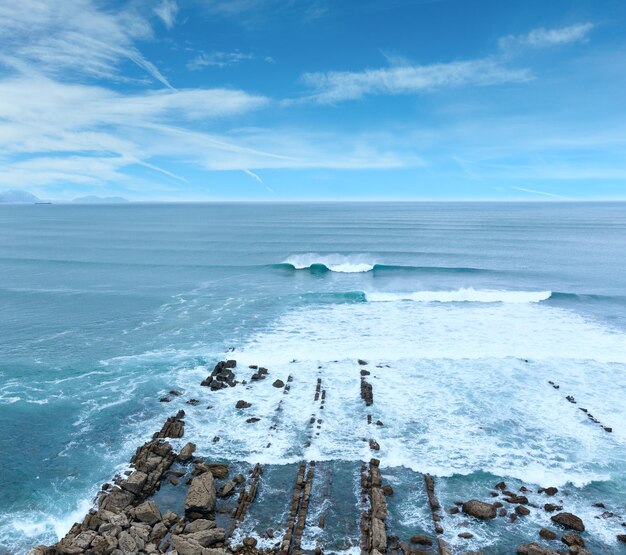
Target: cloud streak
(336, 86)
(542, 38)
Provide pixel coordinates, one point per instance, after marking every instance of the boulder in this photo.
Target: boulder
(187, 452)
(185, 545)
(479, 509)
(570, 539)
(126, 544)
(148, 512)
(568, 520)
(522, 511)
(201, 495)
(199, 525)
(547, 534)
(621, 538)
(279, 383)
(241, 404)
(208, 537)
(228, 488)
(135, 482)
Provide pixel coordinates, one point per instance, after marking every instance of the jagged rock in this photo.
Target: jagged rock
(568, 520)
(379, 535)
(103, 545)
(547, 534)
(249, 542)
(193, 402)
(549, 491)
(534, 549)
(550, 508)
(84, 539)
(127, 544)
(219, 470)
(230, 364)
(621, 538)
(169, 518)
(241, 404)
(374, 446)
(279, 383)
(388, 489)
(135, 482)
(466, 535)
(117, 500)
(228, 488)
(199, 525)
(175, 393)
(362, 362)
(186, 545)
(148, 512)
(208, 537)
(501, 486)
(186, 453)
(570, 539)
(479, 509)
(201, 496)
(522, 511)
(421, 540)
(158, 532)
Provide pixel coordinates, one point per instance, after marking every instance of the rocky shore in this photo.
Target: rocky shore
(127, 519)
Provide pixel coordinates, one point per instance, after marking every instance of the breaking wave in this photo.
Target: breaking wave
(462, 295)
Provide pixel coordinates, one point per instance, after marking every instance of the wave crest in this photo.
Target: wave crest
(462, 295)
(331, 262)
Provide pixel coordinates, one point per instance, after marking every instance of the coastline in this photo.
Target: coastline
(127, 517)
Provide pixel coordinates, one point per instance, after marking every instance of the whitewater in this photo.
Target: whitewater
(464, 314)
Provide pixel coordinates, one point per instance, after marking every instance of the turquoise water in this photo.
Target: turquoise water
(473, 308)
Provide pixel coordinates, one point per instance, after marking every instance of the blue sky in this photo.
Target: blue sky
(320, 99)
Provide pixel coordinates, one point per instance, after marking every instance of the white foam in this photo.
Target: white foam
(334, 262)
(462, 295)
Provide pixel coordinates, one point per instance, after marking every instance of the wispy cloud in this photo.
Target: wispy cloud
(542, 37)
(167, 11)
(257, 178)
(536, 192)
(218, 59)
(336, 86)
(74, 38)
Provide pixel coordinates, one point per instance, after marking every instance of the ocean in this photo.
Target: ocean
(464, 313)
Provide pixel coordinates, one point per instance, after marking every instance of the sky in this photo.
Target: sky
(322, 99)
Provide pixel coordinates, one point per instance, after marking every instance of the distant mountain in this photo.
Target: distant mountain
(93, 199)
(17, 197)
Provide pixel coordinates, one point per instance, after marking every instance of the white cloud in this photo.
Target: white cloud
(335, 86)
(167, 11)
(218, 59)
(541, 38)
(73, 38)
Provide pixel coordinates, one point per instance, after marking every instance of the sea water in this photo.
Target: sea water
(464, 312)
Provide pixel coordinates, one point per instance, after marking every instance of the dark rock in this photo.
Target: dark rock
(365, 372)
(249, 542)
(374, 445)
(600, 505)
(279, 383)
(513, 517)
(387, 489)
(479, 509)
(572, 539)
(522, 511)
(421, 540)
(502, 512)
(568, 520)
(534, 549)
(621, 538)
(242, 404)
(608, 429)
(517, 499)
(501, 486)
(550, 491)
(454, 511)
(164, 400)
(497, 504)
(175, 393)
(550, 508)
(362, 362)
(547, 534)
(466, 535)
(252, 420)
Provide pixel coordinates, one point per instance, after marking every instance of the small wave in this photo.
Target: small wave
(462, 295)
